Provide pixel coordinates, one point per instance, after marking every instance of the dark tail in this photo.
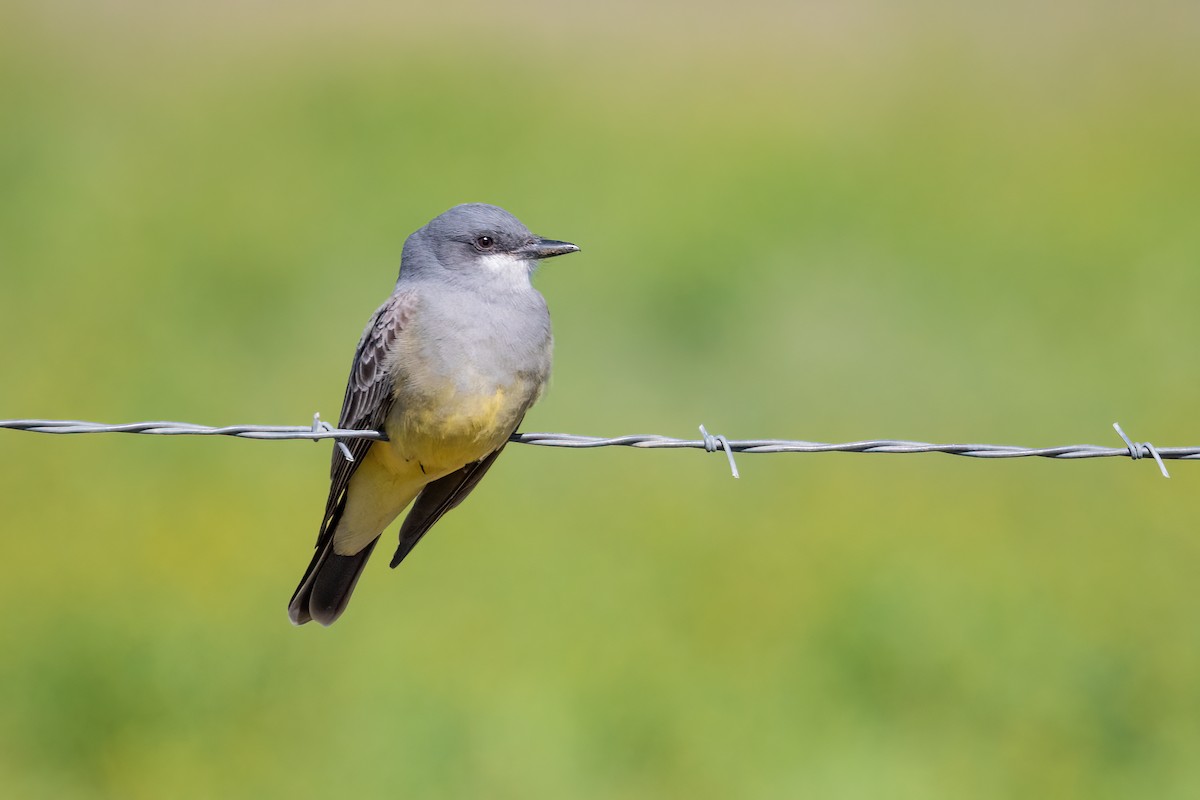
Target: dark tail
(324, 591)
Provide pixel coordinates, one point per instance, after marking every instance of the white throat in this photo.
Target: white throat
(509, 270)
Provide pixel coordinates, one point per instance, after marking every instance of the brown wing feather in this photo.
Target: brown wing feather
(368, 397)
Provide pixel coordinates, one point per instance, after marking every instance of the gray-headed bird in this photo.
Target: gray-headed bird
(447, 368)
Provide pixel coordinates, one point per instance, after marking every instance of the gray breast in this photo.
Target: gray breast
(461, 343)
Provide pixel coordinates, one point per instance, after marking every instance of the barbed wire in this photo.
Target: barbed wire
(323, 430)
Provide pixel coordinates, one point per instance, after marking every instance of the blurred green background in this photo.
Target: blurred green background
(825, 221)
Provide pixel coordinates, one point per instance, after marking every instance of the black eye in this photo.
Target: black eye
(485, 243)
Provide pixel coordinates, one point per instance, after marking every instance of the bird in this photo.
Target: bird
(446, 368)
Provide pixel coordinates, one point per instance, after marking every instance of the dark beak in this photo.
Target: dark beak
(546, 248)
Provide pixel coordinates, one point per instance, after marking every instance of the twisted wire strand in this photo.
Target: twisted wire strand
(322, 430)
(319, 431)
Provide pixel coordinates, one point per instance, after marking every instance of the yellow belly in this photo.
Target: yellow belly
(443, 431)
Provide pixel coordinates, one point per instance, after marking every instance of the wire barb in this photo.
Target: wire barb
(1136, 448)
(714, 443)
(320, 425)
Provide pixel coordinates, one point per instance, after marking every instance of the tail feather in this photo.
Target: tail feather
(325, 591)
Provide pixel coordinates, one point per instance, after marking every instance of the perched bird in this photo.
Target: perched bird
(447, 368)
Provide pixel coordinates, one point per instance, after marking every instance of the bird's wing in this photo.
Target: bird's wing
(368, 397)
(436, 499)
(441, 496)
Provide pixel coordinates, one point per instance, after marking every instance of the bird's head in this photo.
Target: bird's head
(476, 241)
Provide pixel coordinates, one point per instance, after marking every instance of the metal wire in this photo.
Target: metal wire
(322, 430)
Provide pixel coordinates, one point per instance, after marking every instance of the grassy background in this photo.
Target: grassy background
(825, 221)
